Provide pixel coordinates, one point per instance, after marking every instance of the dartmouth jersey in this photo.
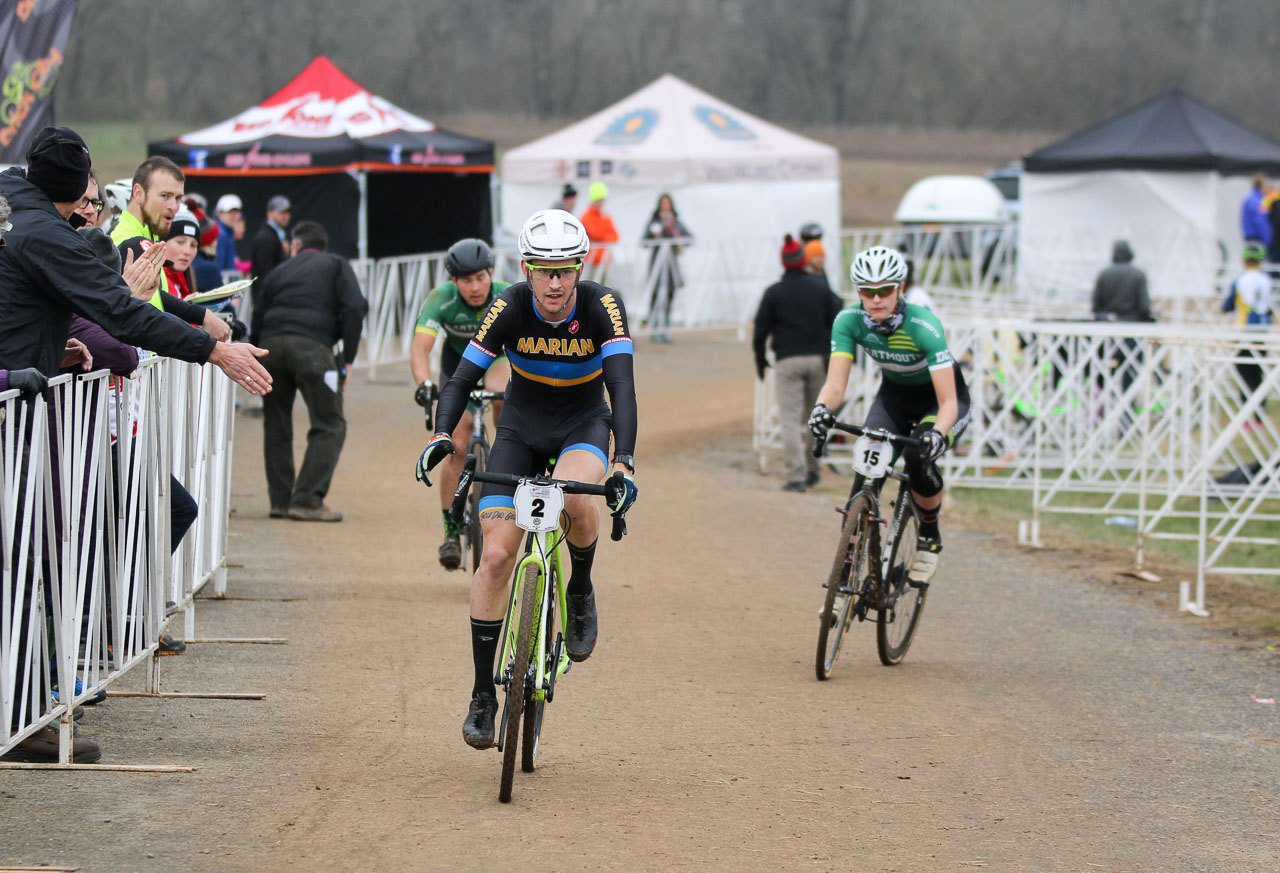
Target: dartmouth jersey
(445, 310)
(907, 355)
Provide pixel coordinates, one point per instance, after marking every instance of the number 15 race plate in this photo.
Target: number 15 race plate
(538, 506)
(872, 458)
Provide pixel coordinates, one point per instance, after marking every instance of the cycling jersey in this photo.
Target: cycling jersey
(907, 355)
(559, 372)
(444, 309)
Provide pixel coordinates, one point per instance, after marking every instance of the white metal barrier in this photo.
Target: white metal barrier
(1148, 422)
(85, 524)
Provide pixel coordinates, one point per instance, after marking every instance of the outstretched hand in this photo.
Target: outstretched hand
(240, 362)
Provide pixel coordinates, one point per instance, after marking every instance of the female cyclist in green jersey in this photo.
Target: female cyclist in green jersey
(922, 393)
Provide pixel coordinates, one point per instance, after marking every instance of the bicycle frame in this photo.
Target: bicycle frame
(542, 550)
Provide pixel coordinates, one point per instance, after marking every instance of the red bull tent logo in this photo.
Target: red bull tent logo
(631, 128)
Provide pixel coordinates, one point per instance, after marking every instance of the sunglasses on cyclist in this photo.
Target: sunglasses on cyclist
(549, 273)
(877, 290)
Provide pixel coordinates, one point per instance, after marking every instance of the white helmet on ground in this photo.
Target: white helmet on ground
(878, 265)
(553, 235)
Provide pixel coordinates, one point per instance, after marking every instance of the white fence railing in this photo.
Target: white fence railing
(1155, 423)
(84, 519)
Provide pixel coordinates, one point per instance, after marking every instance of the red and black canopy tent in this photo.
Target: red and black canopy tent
(382, 181)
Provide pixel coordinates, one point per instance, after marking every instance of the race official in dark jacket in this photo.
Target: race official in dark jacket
(303, 307)
(49, 272)
(795, 316)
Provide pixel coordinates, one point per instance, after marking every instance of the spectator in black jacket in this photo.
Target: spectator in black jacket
(796, 314)
(48, 272)
(304, 307)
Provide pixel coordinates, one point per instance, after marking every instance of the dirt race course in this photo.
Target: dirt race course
(1041, 722)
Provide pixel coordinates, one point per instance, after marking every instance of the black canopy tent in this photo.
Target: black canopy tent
(1170, 132)
(382, 181)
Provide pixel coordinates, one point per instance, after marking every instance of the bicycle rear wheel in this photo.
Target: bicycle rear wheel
(472, 538)
(533, 711)
(518, 686)
(844, 585)
(901, 603)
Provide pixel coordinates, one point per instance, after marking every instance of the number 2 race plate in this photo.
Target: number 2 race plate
(872, 458)
(538, 506)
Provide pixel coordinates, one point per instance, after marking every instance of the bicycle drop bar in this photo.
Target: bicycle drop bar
(873, 432)
(470, 474)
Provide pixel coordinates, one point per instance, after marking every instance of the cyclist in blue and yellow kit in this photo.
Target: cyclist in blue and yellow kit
(922, 392)
(455, 308)
(568, 342)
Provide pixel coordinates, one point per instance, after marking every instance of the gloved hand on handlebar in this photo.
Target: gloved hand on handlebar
(436, 451)
(934, 445)
(622, 493)
(820, 421)
(424, 394)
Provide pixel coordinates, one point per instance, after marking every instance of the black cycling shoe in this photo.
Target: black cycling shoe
(477, 730)
(451, 553)
(580, 641)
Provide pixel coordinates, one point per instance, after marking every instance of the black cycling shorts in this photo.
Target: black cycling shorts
(522, 452)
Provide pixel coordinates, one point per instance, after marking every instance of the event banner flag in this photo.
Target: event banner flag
(33, 37)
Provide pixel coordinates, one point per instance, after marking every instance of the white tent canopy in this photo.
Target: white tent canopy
(731, 175)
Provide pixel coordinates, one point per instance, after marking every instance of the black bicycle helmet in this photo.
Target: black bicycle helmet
(810, 230)
(468, 256)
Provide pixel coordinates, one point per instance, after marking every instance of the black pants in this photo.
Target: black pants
(301, 365)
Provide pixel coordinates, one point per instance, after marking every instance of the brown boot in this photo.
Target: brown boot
(42, 748)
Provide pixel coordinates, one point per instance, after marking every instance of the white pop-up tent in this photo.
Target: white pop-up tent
(731, 175)
(737, 182)
(1168, 176)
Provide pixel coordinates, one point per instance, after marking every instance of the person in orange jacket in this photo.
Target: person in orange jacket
(600, 230)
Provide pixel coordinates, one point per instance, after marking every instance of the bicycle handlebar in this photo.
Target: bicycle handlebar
(873, 432)
(470, 474)
(479, 395)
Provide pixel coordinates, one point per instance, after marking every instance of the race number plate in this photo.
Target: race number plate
(872, 458)
(538, 506)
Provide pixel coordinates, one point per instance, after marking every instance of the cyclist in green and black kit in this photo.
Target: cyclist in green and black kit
(455, 309)
(922, 391)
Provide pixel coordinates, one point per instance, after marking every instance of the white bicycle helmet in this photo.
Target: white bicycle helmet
(553, 235)
(116, 194)
(878, 265)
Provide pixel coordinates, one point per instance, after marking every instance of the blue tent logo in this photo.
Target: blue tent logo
(722, 124)
(198, 159)
(632, 128)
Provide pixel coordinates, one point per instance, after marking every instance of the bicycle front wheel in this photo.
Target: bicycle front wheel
(901, 603)
(472, 538)
(533, 711)
(518, 686)
(844, 585)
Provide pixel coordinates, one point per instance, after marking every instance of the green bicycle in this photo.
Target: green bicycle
(533, 655)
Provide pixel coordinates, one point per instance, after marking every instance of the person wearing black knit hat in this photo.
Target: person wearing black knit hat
(795, 317)
(58, 164)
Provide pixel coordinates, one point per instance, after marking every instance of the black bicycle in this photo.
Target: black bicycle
(868, 577)
(478, 448)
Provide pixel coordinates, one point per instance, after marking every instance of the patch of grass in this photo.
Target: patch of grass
(118, 147)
